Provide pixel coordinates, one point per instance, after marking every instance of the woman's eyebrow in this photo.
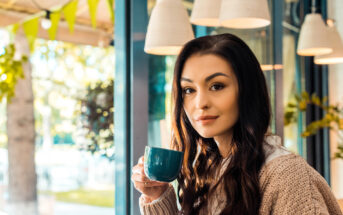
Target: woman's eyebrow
(186, 79)
(208, 78)
(215, 75)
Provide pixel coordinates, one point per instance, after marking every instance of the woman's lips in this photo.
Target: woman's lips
(204, 120)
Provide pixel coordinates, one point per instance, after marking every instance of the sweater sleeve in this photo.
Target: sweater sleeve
(165, 205)
(294, 187)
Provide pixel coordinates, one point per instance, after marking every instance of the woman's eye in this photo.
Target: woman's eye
(217, 87)
(187, 90)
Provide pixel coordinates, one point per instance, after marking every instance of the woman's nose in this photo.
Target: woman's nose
(202, 100)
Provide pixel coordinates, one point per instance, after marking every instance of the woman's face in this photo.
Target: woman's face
(210, 95)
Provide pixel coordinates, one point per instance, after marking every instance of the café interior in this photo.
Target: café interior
(289, 38)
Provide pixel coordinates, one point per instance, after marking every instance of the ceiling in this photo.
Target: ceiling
(15, 11)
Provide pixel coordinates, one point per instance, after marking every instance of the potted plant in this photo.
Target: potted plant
(332, 119)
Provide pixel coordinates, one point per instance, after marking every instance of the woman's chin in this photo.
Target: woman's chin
(206, 135)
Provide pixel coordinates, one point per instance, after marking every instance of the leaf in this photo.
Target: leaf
(324, 100)
(305, 96)
(303, 105)
(297, 97)
(315, 99)
(338, 155)
(329, 117)
(289, 117)
(98, 113)
(289, 114)
(10, 72)
(291, 105)
(305, 134)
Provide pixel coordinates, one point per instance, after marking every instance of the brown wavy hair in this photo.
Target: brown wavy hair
(241, 176)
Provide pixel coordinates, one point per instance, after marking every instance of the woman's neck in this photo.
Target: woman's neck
(224, 144)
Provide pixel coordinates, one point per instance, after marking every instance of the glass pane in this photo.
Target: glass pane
(259, 41)
(161, 72)
(73, 87)
(73, 105)
(160, 85)
(292, 76)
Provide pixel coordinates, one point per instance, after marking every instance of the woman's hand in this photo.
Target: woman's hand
(151, 190)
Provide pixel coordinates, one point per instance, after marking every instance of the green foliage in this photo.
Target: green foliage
(333, 119)
(97, 117)
(11, 71)
(339, 153)
(100, 198)
(61, 73)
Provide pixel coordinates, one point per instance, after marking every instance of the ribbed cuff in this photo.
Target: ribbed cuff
(165, 205)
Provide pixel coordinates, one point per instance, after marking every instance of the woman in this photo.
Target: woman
(231, 165)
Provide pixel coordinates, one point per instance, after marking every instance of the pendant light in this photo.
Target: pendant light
(46, 21)
(313, 38)
(206, 12)
(244, 14)
(336, 44)
(269, 67)
(169, 28)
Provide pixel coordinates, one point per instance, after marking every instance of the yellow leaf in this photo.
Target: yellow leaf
(302, 105)
(305, 96)
(340, 123)
(305, 134)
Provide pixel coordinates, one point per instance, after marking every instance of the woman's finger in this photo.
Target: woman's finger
(138, 169)
(139, 178)
(141, 160)
(150, 184)
(143, 179)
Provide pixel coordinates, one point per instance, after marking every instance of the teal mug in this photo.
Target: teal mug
(162, 164)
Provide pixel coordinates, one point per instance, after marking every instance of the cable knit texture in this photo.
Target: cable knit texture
(288, 185)
(165, 205)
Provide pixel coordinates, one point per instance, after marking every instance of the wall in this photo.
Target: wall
(335, 8)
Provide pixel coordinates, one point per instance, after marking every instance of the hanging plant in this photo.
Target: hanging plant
(97, 117)
(11, 70)
(333, 118)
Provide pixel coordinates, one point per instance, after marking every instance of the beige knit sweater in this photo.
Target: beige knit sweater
(288, 184)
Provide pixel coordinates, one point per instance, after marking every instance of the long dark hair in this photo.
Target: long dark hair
(241, 176)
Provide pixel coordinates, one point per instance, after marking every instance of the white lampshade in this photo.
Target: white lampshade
(336, 56)
(313, 39)
(169, 28)
(244, 13)
(269, 67)
(206, 12)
